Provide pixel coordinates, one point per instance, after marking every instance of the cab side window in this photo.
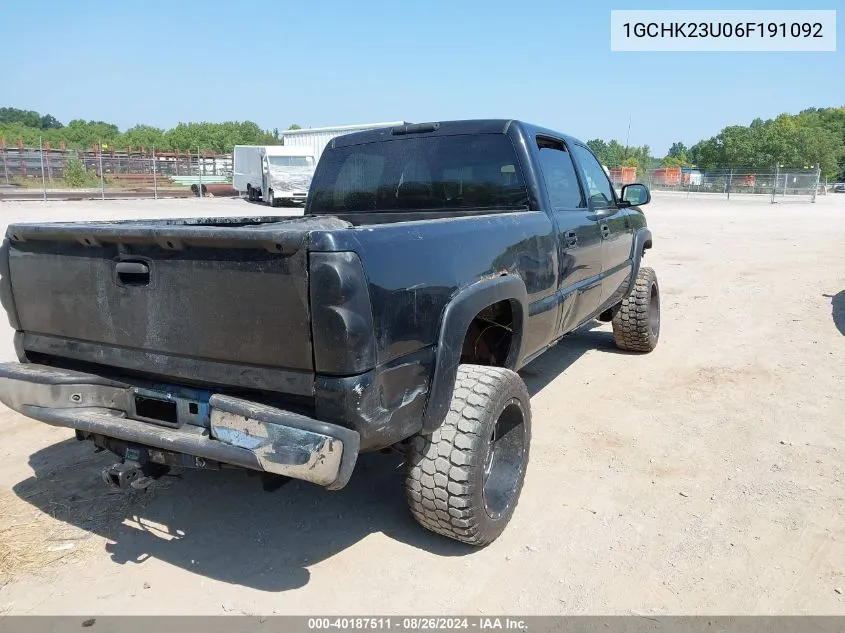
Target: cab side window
(599, 189)
(559, 174)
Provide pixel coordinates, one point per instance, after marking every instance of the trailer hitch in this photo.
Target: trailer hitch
(127, 475)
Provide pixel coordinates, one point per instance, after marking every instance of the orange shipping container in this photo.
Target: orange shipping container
(625, 175)
(673, 175)
(667, 176)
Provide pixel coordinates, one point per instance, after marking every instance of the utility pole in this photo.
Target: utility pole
(199, 171)
(43, 181)
(775, 184)
(102, 177)
(155, 183)
(5, 166)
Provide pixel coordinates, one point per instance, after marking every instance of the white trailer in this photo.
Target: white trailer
(315, 139)
(273, 173)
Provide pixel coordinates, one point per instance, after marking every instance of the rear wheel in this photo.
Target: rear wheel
(636, 325)
(463, 481)
(250, 193)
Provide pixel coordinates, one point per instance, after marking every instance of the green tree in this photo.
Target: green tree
(671, 161)
(812, 137)
(76, 176)
(49, 122)
(599, 148)
(706, 154)
(84, 134)
(613, 154)
(27, 118)
(145, 136)
(216, 137)
(678, 150)
(677, 156)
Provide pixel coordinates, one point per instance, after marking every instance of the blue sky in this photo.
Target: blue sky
(319, 63)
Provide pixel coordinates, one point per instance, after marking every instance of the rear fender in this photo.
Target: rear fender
(455, 321)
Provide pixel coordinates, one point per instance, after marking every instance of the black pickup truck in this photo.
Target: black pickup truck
(433, 261)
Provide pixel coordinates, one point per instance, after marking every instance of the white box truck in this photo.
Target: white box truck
(279, 173)
(273, 173)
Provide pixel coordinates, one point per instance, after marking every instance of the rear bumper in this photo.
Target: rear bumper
(241, 433)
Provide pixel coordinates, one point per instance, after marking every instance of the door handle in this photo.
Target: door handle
(132, 273)
(605, 212)
(605, 230)
(571, 238)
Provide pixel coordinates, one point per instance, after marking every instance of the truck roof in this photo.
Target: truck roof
(339, 128)
(450, 128)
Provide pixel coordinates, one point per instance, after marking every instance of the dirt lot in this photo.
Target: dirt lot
(706, 477)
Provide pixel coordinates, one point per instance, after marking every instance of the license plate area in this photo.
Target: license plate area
(171, 407)
(162, 411)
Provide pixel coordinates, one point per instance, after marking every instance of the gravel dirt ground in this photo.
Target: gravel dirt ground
(706, 477)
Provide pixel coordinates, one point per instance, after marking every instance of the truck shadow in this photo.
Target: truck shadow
(223, 526)
(557, 359)
(838, 305)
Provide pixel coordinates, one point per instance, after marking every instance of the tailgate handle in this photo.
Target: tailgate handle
(133, 273)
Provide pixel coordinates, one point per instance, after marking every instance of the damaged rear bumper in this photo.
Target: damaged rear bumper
(241, 432)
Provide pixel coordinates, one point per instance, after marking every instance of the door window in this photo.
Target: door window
(598, 186)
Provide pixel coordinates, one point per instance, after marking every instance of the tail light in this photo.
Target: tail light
(341, 315)
(6, 298)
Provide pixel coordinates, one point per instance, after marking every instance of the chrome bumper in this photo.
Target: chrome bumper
(241, 433)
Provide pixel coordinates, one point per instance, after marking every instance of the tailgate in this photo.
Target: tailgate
(220, 301)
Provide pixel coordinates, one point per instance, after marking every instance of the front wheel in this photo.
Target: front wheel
(463, 481)
(636, 324)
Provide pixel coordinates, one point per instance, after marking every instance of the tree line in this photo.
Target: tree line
(614, 154)
(812, 137)
(32, 127)
(815, 136)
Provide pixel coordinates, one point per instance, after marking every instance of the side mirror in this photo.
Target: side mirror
(635, 195)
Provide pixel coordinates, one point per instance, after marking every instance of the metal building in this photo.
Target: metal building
(317, 138)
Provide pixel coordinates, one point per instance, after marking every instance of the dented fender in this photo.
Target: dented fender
(455, 321)
(384, 405)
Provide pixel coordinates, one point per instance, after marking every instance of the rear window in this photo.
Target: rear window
(420, 173)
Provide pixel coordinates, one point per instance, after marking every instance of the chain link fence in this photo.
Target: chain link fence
(776, 184)
(30, 173)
